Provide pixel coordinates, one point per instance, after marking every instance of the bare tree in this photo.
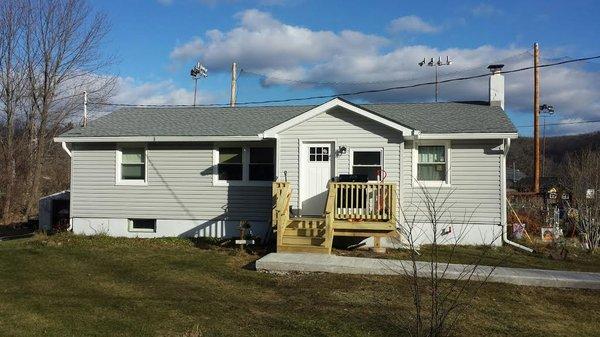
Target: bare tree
(50, 52)
(441, 291)
(11, 94)
(63, 43)
(582, 174)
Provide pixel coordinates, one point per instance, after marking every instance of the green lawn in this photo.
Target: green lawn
(98, 286)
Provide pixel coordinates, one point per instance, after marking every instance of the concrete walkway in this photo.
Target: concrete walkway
(305, 262)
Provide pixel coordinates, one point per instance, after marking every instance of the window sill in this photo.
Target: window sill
(131, 183)
(434, 184)
(242, 183)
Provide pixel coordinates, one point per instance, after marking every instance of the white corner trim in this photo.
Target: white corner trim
(443, 136)
(118, 160)
(336, 102)
(415, 160)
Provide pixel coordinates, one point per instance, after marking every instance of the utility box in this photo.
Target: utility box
(54, 211)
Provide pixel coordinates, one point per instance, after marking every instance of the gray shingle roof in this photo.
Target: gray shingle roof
(250, 121)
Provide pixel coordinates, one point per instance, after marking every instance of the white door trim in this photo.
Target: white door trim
(302, 158)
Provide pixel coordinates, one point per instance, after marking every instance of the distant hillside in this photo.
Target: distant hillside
(557, 151)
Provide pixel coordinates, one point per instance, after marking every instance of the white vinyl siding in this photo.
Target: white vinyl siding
(344, 128)
(180, 186)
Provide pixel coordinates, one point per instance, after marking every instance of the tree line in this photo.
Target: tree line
(50, 52)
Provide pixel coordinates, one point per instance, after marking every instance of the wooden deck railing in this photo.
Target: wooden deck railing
(282, 195)
(364, 201)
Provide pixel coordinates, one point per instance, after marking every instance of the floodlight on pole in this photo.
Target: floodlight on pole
(198, 71)
(436, 64)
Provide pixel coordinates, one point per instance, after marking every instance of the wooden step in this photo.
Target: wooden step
(302, 240)
(302, 249)
(303, 223)
(313, 232)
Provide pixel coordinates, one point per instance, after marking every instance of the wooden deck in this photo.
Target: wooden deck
(352, 209)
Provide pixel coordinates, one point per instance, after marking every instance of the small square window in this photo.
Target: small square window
(142, 225)
(318, 154)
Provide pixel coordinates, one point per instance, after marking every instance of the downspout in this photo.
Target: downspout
(64, 146)
(503, 218)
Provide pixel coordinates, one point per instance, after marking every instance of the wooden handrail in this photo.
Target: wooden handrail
(282, 194)
(365, 201)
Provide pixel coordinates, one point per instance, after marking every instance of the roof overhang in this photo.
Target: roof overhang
(126, 139)
(478, 135)
(336, 102)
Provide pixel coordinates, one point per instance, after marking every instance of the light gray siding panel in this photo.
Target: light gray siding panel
(179, 186)
(475, 184)
(344, 128)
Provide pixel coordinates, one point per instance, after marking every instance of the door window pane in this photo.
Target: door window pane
(318, 153)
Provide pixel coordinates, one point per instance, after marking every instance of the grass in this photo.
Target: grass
(99, 286)
(505, 256)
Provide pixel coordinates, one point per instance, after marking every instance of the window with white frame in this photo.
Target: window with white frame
(131, 165)
(367, 162)
(245, 165)
(431, 163)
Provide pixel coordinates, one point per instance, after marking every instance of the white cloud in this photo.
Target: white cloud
(187, 50)
(263, 44)
(485, 10)
(132, 91)
(411, 24)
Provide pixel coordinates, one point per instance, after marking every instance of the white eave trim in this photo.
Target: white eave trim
(465, 136)
(336, 102)
(157, 139)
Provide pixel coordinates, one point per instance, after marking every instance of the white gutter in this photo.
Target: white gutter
(157, 139)
(503, 218)
(64, 146)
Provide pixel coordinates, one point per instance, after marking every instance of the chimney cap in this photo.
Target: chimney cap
(495, 67)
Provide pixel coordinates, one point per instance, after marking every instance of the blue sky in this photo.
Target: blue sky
(379, 42)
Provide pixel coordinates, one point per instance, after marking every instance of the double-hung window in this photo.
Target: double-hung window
(432, 163)
(245, 165)
(367, 162)
(131, 165)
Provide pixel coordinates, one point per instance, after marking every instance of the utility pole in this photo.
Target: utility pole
(233, 97)
(536, 118)
(85, 113)
(435, 64)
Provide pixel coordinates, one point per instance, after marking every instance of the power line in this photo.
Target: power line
(360, 92)
(562, 123)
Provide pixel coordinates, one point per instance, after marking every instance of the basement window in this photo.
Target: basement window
(142, 225)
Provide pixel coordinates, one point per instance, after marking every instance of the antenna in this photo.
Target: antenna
(436, 64)
(198, 71)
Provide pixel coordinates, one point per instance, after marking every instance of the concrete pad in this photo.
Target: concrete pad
(306, 262)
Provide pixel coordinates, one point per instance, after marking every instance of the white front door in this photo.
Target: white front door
(316, 164)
